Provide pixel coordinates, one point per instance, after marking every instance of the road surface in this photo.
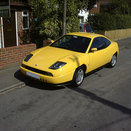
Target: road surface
(101, 103)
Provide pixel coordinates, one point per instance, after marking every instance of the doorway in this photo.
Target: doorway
(9, 27)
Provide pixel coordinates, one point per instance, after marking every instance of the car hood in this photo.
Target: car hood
(45, 57)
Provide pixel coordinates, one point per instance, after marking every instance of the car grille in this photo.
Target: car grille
(37, 70)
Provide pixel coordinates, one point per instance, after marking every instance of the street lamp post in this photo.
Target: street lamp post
(64, 18)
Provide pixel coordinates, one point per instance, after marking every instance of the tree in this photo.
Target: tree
(49, 14)
(46, 25)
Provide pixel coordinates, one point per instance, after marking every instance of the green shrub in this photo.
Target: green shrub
(110, 22)
(47, 22)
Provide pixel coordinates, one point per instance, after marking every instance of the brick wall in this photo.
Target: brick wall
(15, 54)
(23, 35)
(19, 19)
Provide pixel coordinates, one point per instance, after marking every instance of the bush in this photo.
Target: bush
(47, 20)
(109, 22)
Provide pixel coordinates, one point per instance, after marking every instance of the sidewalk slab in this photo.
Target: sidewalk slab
(7, 78)
(14, 86)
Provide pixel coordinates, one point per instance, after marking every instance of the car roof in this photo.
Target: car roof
(85, 34)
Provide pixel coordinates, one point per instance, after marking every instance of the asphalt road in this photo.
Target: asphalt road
(101, 103)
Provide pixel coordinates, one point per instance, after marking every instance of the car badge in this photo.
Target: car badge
(36, 64)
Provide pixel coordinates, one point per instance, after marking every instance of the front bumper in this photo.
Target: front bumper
(50, 79)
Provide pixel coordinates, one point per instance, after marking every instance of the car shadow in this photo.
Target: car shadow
(101, 100)
(95, 72)
(89, 95)
(44, 86)
(35, 83)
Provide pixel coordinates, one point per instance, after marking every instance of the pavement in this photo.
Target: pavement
(8, 79)
(11, 77)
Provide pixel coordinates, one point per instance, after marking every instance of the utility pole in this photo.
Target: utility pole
(64, 18)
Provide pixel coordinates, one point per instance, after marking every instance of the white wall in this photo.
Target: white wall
(84, 14)
(1, 33)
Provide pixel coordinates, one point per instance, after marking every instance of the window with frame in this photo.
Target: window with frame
(98, 43)
(25, 16)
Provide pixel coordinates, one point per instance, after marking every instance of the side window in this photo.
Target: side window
(98, 43)
(106, 41)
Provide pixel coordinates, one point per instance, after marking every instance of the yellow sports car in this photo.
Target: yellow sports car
(70, 57)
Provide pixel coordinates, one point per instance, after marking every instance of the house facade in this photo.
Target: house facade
(13, 27)
(94, 7)
(14, 32)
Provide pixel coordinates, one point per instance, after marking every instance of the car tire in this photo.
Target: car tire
(113, 61)
(78, 77)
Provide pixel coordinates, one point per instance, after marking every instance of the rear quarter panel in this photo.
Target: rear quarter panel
(112, 49)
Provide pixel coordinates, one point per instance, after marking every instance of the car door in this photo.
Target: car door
(97, 58)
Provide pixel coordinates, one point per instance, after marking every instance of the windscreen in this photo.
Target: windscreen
(73, 43)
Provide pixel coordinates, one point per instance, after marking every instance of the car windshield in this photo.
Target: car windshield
(73, 43)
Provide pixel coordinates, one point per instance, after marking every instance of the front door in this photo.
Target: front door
(99, 57)
(9, 27)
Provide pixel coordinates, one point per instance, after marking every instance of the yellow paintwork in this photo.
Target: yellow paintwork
(47, 56)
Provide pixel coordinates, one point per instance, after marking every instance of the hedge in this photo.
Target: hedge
(109, 22)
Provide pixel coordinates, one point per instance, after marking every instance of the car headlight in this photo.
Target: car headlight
(27, 58)
(57, 65)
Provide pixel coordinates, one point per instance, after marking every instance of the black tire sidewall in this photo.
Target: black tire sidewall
(110, 64)
(75, 76)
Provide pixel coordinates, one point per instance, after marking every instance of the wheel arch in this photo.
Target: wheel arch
(84, 67)
(116, 53)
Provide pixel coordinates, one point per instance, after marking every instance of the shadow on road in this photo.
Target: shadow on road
(40, 85)
(35, 83)
(103, 101)
(44, 86)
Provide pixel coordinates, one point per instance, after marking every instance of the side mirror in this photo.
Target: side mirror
(47, 42)
(94, 49)
(52, 41)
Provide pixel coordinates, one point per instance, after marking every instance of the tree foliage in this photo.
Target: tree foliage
(110, 22)
(118, 7)
(48, 16)
(116, 15)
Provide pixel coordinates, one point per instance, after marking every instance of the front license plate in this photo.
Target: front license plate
(33, 75)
